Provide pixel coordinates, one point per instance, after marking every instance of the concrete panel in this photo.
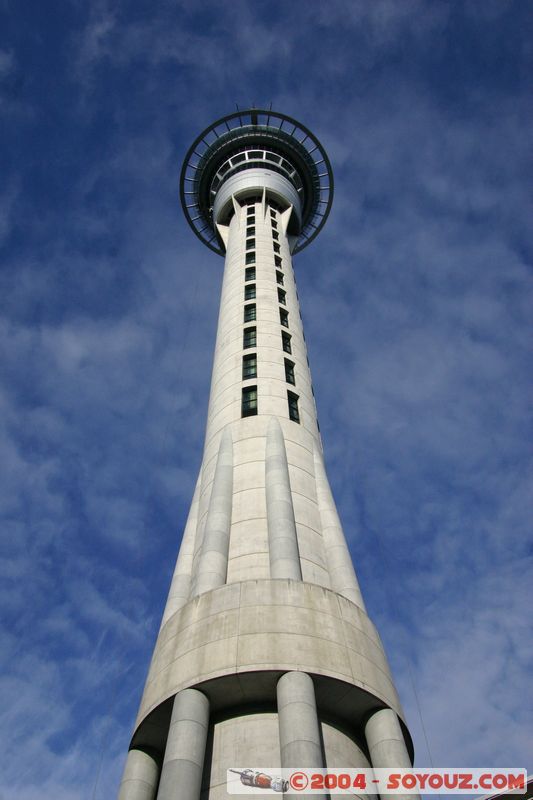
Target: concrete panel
(343, 751)
(253, 566)
(313, 573)
(249, 501)
(244, 740)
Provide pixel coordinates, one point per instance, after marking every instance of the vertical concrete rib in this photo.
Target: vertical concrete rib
(282, 537)
(386, 745)
(181, 774)
(299, 732)
(213, 561)
(340, 566)
(180, 587)
(141, 774)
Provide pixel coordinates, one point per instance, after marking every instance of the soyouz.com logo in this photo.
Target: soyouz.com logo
(309, 781)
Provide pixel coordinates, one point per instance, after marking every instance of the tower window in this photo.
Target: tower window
(274, 224)
(250, 230)
(250, 312)
(276, 247)
(249, 401)
(294, 414)
(272, 213)
(249, 338)
(249, 291)
(284, 317)
(286, 342)
(289, 371)
(275, 235)
(250, 258)
(250, 244)
(279, 278)
(249, 274)
(249, 366)
(277, 261)
(282, 297)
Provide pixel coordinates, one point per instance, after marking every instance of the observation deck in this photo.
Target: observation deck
(256, 139)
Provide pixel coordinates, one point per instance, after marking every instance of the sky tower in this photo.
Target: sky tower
(266, 655)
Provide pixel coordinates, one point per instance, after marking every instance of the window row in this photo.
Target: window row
(249, 361)
(249, 338)
(249, 403)
(250, 238)
(249, 368)
(250, 291)
(292, 399)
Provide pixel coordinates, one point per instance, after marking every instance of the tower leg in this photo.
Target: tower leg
(213, 563)
(181, 775)
(386, 745)
(282, 536)
(141, 774)
(299, 732)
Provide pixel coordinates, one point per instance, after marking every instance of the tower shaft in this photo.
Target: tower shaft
(265, 655)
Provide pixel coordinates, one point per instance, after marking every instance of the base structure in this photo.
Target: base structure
(312, 688)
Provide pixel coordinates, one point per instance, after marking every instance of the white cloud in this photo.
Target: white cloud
(8, 199)
(7, 63)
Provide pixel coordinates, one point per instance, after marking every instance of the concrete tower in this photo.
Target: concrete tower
(266, 655)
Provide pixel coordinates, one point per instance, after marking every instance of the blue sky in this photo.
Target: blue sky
(415, 299)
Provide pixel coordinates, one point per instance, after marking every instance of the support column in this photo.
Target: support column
(141, 774)
(180, 587)
(299, 730)
(213, 562)
(340, 565)
(386, 745)
(282, 537)
(183, 765)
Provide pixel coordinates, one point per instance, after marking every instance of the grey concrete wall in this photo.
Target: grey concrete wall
(245, 740)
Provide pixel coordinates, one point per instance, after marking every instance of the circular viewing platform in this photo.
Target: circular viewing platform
(253, 139)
